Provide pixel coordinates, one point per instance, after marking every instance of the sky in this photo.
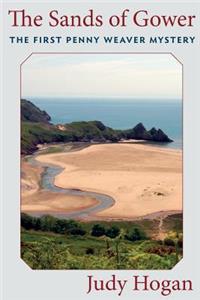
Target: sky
(146, 76)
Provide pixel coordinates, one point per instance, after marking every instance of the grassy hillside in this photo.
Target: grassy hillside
(33, 134)
(36, 129)
(51, 243)
(92, 130)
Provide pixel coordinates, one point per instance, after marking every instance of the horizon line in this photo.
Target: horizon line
(103, 97)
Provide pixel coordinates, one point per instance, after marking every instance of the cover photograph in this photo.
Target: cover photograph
(100, 126)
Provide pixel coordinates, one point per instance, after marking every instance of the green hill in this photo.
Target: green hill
(36, 129)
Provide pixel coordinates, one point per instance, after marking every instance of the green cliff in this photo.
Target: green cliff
(37, 129)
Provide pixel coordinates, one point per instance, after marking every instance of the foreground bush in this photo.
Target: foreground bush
(49, 255)
(169, 242)
(98, 230)
(151, 261)
(49, 223)
(136, 234)
(112, 232)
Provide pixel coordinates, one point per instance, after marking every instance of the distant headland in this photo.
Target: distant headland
(36, 128)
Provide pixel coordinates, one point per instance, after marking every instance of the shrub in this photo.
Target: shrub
(169, 242)
(180, 242)
(89, 251)
(27, 222)
(77, 231)
(37, 224)
(112, 232)
(50, 223)
(98, 230)
(144, 261)
(161, 250)
(135, 235)
(47, 223)
(60, 226)
(65, 226)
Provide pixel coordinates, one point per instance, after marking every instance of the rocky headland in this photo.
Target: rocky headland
(36, 128)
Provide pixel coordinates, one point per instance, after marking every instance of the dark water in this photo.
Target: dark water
(118, 113)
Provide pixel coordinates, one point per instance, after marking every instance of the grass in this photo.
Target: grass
(49, 250)
(52, 149)
(79, 245)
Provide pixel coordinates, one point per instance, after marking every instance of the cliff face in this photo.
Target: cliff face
(31, 113)
(36, 129)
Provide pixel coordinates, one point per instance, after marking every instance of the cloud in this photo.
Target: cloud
(136, 75)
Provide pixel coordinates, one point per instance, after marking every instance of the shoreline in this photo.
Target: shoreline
(154, 216)
(99, 215)
(76, 146)
(95, 201)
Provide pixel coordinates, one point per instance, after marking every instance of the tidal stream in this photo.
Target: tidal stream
(47, 183)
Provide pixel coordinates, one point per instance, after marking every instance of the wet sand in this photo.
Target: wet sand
(44, 202)
(39, 201)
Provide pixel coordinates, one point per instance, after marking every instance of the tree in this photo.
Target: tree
(135, 235)
(77, 231)
(98, 230)
(47, 223)
(112, 232)
(27, 221)
(37, 224)
(169, 242)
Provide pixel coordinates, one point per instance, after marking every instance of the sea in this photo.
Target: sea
(118, 113)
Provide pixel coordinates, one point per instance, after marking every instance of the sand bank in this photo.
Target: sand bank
(47, 202)
(142, 179)
(36, 200)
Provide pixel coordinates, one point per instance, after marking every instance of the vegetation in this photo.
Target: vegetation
(136, 235)
(176, 220)
(98, 230)
(36, 129)
(51, 243)
(33, 134)
(112, 232)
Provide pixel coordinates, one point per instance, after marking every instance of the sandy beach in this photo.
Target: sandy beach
(46, 202)
(142, 179)
(36, 200)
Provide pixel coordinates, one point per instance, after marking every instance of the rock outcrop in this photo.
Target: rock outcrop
(139, 132)
(31, 113)
(159, 136)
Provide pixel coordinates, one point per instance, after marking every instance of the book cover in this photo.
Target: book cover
(100, 147)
